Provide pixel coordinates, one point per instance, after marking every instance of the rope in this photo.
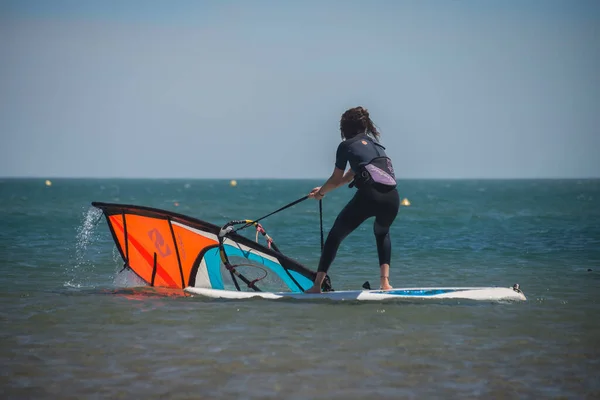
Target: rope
(321, 220)
(293, 203)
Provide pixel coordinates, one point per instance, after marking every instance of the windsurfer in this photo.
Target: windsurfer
(372, 173)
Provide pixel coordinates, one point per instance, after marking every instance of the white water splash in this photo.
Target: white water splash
(127, 278)
(81, 268)
(124, 278)
(86, 230)
(83, 272)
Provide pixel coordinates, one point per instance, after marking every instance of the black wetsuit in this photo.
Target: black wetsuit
(370, 200)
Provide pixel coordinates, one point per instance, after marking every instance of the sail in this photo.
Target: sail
(171, 250)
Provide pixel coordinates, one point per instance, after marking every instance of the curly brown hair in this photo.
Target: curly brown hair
(355, 121)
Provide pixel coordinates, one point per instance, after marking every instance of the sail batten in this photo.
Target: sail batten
(183, 285)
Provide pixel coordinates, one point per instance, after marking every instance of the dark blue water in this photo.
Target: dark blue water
(72, 327)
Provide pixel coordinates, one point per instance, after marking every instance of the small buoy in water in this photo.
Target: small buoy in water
(405, 202)
(233, 182)
(589, 270)
(176, 204)
(48, 182)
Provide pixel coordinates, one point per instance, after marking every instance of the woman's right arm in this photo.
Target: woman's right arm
(348, 176)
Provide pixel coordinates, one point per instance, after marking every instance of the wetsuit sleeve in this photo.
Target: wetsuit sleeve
(341, 157)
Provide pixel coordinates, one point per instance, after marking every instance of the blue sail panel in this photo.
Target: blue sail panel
(301, 279)
(212, 261)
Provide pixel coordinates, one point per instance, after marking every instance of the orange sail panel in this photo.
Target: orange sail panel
(191, 243)
(158, 251)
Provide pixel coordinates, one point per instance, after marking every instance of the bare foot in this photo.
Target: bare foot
(314, 289)
(384, 283)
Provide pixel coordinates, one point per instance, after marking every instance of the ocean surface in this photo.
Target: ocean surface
(74, 327)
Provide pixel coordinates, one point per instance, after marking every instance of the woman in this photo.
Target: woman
(372, 173)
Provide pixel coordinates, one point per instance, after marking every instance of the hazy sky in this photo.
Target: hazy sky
(235, 89)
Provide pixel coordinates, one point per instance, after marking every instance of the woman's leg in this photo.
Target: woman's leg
(384, 252)
(350, 218)
(389, 203)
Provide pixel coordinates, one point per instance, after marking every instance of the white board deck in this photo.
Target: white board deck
(467, 293)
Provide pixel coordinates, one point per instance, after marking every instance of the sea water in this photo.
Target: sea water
(74, 326)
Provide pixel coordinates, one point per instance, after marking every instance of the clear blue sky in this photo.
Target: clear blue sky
(239, 89)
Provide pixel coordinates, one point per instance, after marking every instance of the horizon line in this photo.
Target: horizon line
(292, 178)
